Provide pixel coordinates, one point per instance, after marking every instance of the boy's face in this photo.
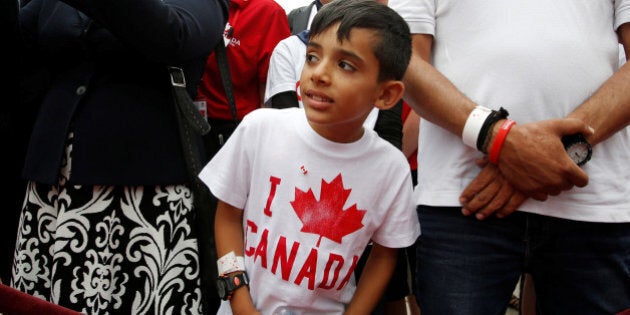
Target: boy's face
(339, 85)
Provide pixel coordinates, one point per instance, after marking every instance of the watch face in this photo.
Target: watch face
(578, 149)
(579, 152)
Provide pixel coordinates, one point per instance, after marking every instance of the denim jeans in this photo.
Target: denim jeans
(466, 266)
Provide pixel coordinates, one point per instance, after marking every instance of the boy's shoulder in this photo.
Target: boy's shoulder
(270, 115)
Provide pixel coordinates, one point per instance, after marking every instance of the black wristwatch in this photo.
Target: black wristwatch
(227, 284)
(578, 148)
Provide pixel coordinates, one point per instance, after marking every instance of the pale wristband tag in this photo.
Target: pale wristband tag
(230, 263)
(473, 125)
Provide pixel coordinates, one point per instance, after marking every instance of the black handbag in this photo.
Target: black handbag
(192, 125)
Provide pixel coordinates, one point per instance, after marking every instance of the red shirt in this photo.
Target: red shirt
(256, 27)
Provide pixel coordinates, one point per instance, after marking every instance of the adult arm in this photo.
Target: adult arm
(228, 233)
(533, 159)
(606, 111)
(170, 31)
(374, 279)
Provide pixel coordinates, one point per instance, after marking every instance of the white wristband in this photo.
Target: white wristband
(473, 125)
(230, 263)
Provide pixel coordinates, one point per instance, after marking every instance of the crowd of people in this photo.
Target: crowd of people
(358, 154)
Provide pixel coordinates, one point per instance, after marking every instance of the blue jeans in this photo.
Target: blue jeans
(466, 266)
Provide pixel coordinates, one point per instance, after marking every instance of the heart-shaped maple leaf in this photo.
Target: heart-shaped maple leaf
(327, 217)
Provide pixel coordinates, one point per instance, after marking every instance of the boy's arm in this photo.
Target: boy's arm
(376, 274)
(228, 232)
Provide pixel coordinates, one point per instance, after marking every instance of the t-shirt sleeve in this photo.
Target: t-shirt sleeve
(400, 227)
(281, 76)
(622, 12)
(228, 174)
(419, 14)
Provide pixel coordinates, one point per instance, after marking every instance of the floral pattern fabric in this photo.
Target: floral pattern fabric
(109, 249)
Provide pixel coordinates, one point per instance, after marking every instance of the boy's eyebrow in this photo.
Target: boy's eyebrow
(314, 44)
(342, 51)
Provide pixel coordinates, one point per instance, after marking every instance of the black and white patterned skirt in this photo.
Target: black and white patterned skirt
(109, 249)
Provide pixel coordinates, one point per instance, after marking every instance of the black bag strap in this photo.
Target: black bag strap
(186, 107)
(191, 124)
(226, 77)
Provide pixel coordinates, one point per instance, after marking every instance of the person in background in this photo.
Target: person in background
(298, 200)
(300, 18)
(107, 224)
(16, 120)
(248, 49)
(510, 123)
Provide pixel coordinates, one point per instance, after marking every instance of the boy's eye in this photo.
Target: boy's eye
(346, 66)
(311, 58)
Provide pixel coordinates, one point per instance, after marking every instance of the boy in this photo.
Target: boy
(298, 204)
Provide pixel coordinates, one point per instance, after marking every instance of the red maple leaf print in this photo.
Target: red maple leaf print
(327, 217)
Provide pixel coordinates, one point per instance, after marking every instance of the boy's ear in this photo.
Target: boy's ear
(391, 92)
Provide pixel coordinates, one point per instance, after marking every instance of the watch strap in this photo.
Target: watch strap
(233, 282)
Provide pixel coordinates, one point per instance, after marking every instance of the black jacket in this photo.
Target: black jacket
(298, 18)
(104, 66)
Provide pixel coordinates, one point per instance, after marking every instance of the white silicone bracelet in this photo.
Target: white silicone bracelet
(473, 125)
(230, 263)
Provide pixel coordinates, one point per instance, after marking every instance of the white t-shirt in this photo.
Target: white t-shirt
(285, 67)
(539, 60)
(311, 206)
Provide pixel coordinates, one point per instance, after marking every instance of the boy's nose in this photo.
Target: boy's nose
(320, 73)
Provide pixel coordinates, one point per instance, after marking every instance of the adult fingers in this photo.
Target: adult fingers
(515, 201)
(480, 190)
(501, 197)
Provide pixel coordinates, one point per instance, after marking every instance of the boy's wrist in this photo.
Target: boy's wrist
(227, 285)
(229, 263)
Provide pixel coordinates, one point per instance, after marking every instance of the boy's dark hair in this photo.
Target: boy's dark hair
(393, 50)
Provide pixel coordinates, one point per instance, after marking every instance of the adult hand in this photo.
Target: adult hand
(490, 194)
(535, 162)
